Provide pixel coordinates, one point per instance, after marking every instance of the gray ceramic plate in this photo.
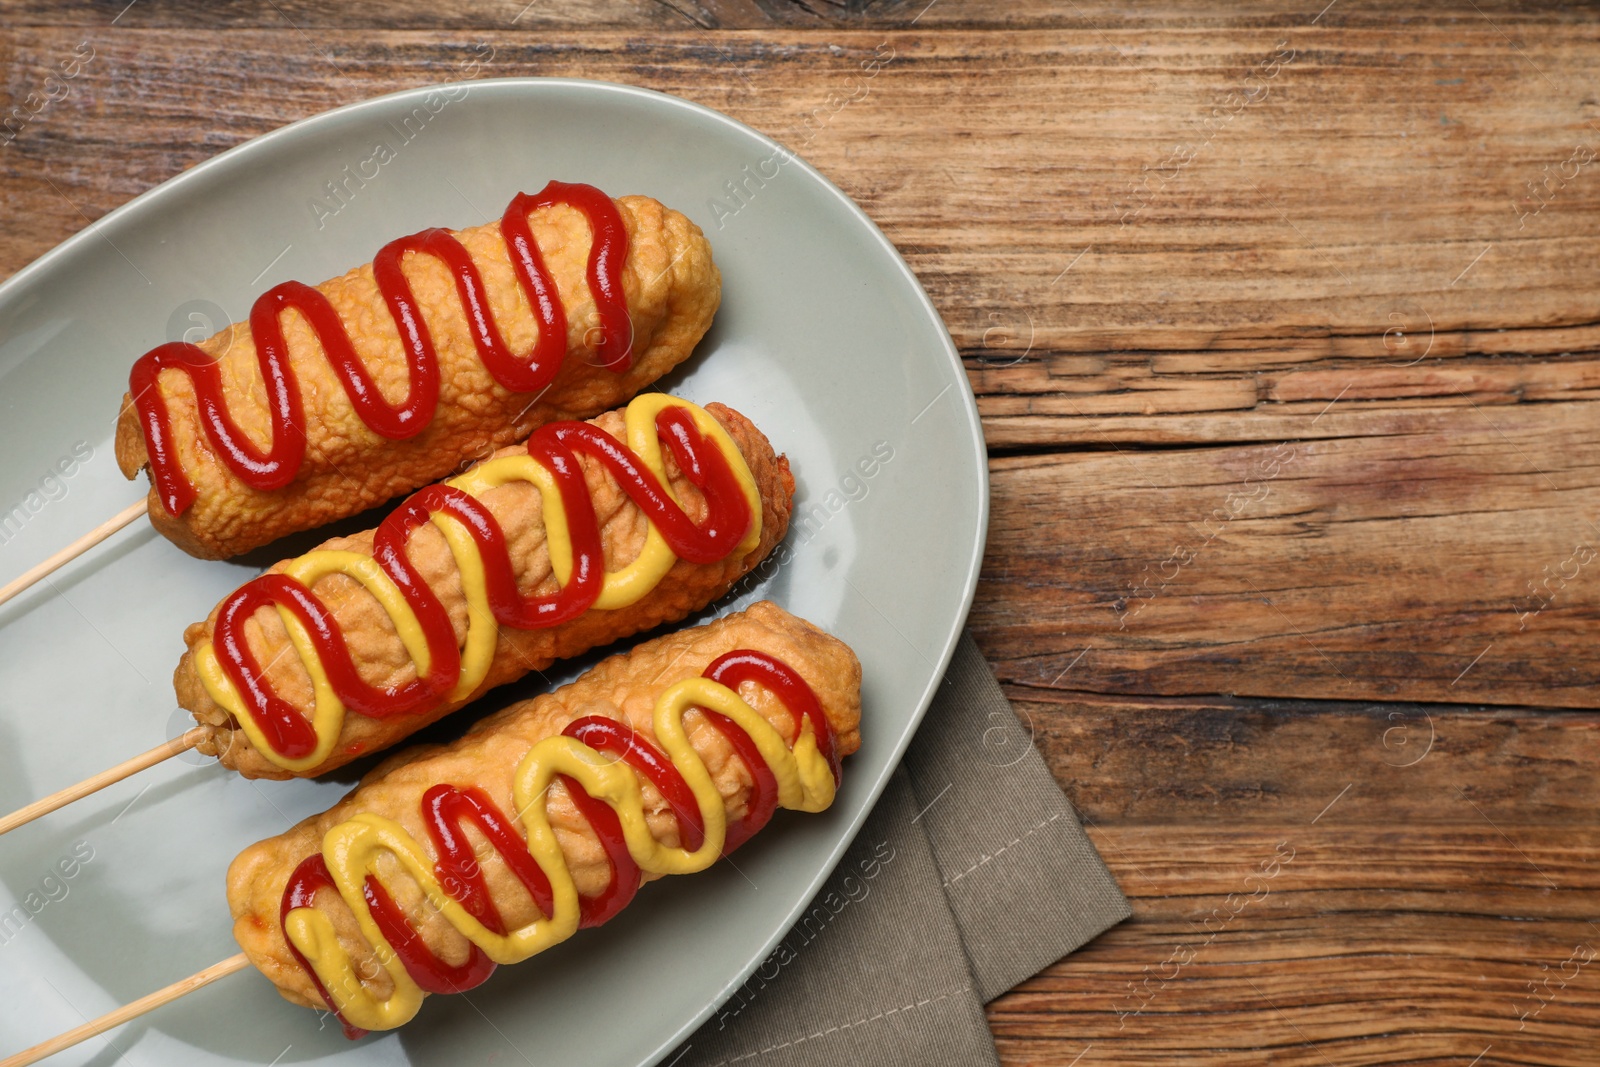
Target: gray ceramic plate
(825, 339)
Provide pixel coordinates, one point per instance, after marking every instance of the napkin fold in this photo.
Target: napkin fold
(971, 875)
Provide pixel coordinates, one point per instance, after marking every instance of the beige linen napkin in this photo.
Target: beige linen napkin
(971, 874)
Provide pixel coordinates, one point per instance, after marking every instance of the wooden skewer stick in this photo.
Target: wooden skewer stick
(76, 549)
(131, 1011)
(164, 751)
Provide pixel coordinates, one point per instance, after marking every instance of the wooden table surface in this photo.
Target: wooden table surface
(1283, 323)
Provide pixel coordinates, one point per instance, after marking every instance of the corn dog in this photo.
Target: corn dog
(589, 533)
(447, 345)
(616, 779)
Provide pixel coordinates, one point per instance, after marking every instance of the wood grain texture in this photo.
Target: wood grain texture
(788, 15)
(1283, 326)
(1449, 559)
(1436, 875)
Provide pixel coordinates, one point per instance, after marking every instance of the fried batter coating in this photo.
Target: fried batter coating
(382, 659)
(623, 687)
(673, 289)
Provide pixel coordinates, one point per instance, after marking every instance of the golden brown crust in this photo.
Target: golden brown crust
(624, 686)
(673, 290)
(375, 645)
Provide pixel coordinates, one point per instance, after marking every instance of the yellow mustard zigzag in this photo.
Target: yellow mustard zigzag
(805, 783)
(621, 588)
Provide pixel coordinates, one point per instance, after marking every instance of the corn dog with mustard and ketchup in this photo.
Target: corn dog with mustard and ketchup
(656, 762)
(589, 533)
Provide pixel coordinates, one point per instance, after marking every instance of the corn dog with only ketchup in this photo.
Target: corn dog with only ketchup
(334, 399)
